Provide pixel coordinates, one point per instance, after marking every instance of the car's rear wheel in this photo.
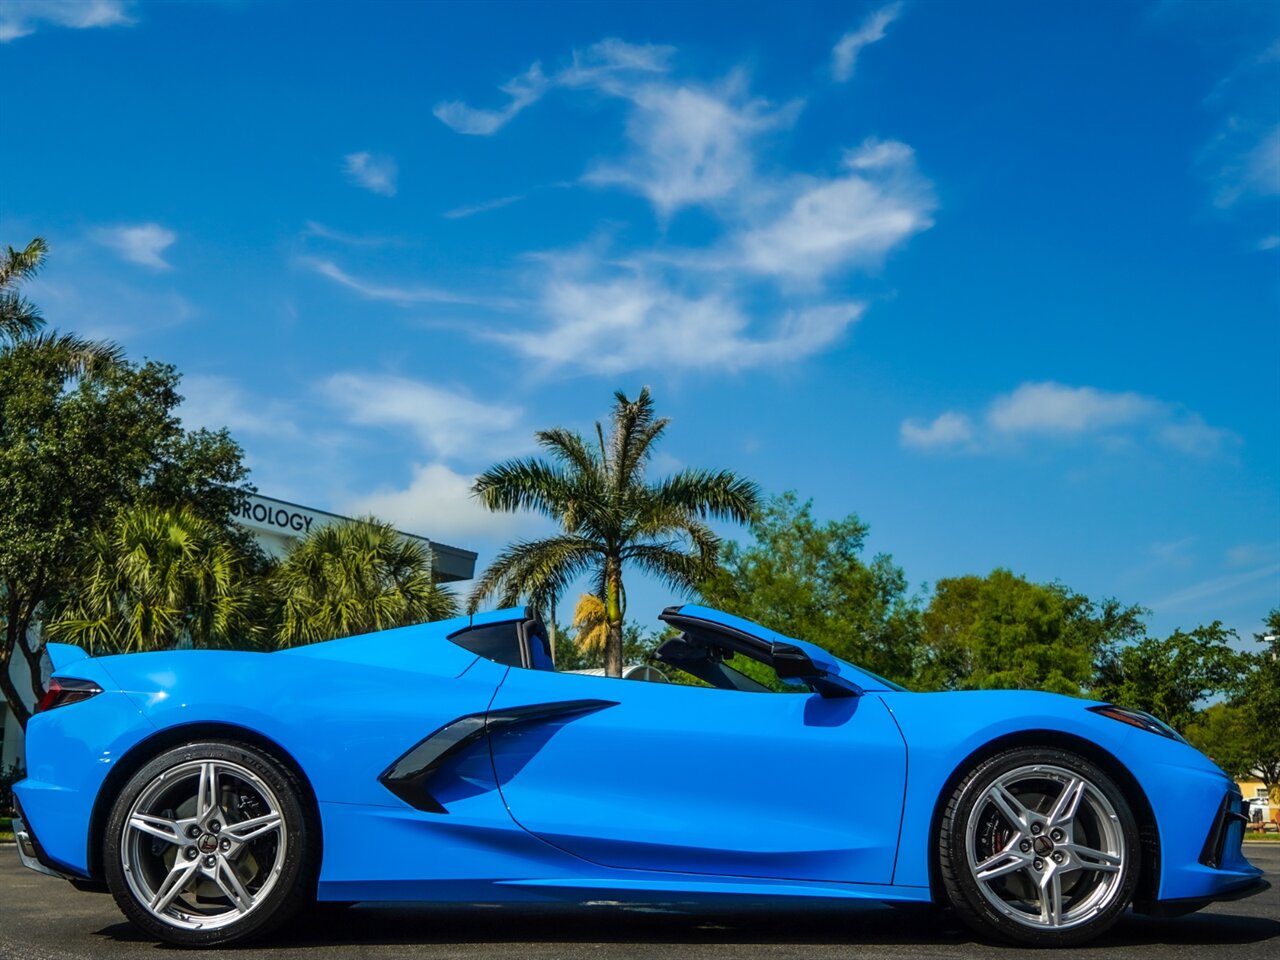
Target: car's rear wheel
(1039, 846)
(208, 844)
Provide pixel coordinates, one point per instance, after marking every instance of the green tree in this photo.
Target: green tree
(82, 435)
(1240, 736)
(638, 645)
(1224, 733)
(1002, 631)
(354, 577)
(610, 516)
(807, 579)
(154, 578)
(1170, 677)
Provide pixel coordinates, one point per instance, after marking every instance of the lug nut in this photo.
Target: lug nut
(210, 861)
(192, 853)
(1024, 846)
(1036, 828)
(1039, 864)
(1057, 857)
(214, 826)
(1056, 836)
(193, 831)
(226, 844)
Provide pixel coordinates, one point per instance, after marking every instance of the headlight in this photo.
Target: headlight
(1139, 719)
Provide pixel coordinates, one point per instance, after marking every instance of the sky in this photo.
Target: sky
(1001, 278)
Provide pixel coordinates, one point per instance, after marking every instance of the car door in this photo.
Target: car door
(655, 776)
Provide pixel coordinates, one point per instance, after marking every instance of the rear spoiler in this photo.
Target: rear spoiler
(62, 655)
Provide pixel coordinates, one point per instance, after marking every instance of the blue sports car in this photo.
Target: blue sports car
(215, 792)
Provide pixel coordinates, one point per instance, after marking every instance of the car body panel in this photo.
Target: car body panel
(660, 761)
(675, 790)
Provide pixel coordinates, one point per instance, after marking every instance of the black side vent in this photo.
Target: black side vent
(409, 777)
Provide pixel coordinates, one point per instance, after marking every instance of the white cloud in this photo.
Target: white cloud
(609, 325)
(457, 213)
(599, 64)
(376, 291)
(1252, 554)
(522, 91)
(447, 423)
(216, 402)
(1055, 410)
(851, 220)
(143, 243)
(1269, 242)
(20, 18)
(375, 172)
(844, 55)
(691, 145)
(105, 307)
(1261, 583)
(314, 229)
(1248, 162)
(1190, 434)
(438, 502)
(948, 429)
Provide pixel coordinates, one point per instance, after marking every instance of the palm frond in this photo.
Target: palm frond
(590, 624)
(536, 569)
(73, 356)
(682, 572)
(570, 447)
(720, 494)
(528, 484)
(19, 265)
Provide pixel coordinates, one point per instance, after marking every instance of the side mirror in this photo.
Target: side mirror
(792, 663)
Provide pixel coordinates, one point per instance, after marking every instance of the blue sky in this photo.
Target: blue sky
(1000, 277)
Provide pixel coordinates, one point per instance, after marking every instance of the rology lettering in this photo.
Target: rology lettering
(277, 517)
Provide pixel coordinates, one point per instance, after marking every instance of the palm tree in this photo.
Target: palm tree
(590, 625)
(19, 317)
(610, 517)
(355, 577)
(156, 578)
(21, 320)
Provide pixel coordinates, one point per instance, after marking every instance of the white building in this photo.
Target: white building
(276, 524)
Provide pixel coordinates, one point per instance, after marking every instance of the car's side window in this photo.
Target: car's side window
(499, 642)
(710, 663)
(513, 643)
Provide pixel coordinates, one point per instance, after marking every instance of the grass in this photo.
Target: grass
(1251, 837)
(6, 829)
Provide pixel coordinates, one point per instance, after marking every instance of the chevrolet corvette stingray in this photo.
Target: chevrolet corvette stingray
(213, 793)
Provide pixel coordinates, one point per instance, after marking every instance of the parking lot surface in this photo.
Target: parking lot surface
(45, 919)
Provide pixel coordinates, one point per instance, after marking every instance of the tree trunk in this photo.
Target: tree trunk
(613, 619)
(613, 650)
(11, 695)
(551, 629)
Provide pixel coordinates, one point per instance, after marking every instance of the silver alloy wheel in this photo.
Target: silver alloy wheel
(204, 844)
(1046, 847)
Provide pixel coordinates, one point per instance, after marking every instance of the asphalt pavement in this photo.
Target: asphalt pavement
(46, 919)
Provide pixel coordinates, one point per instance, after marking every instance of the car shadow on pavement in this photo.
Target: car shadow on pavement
(762, 924)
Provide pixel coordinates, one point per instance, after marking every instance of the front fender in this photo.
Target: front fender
(944, 730)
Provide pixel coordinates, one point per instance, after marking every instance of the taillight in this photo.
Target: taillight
(64, 690)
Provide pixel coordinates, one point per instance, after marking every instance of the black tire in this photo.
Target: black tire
(998, 871)
(268, 874)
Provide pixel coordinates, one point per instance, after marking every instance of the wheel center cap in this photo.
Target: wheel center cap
(1043, 846)
(208, 843)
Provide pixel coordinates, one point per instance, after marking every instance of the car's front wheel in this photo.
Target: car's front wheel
(208, 844)
(1039, 846)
